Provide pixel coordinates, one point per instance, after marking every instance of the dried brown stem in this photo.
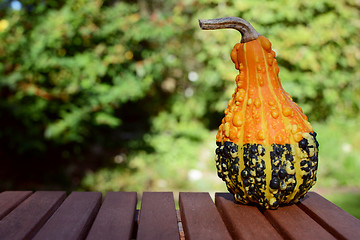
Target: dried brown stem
(247, 31)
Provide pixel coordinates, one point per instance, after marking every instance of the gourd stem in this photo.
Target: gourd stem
(247, 31)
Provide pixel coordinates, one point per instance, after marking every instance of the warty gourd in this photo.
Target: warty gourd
(267, 152)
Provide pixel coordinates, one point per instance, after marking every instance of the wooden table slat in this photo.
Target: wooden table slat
(73, 218)
(293, 223)
(116, 217)
(27, 218)
(244, 221)
(337, 221)
(50, 215)
(10, 199)
(158, 217)
(200, 218)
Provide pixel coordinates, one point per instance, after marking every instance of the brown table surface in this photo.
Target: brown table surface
(87, 215)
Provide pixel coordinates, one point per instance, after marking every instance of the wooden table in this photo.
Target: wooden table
(85, 215)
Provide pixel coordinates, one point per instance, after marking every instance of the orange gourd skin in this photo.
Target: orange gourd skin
(267, 150)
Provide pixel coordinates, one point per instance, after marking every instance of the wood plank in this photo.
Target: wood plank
(293, 223)
(25, 220)
(337, 221)
(11, 199)
(244, 221)
(116, 217)
(158, 217)
(200, 218)
(73, 218)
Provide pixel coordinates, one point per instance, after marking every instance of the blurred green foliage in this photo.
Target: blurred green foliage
(340, 156)
(126, 95)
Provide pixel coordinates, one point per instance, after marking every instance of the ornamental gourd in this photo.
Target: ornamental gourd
(267, 152)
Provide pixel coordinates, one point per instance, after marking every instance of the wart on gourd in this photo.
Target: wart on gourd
(267, 150)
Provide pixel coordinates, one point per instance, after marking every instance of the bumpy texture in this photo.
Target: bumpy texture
(267, 150)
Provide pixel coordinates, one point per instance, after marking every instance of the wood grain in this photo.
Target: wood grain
(340, 223)
(73, 218)
(293, 223)
(244, 221)
(25, 220)
(116, 217)
(11, 199)
(158, 217)
(200, 218)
